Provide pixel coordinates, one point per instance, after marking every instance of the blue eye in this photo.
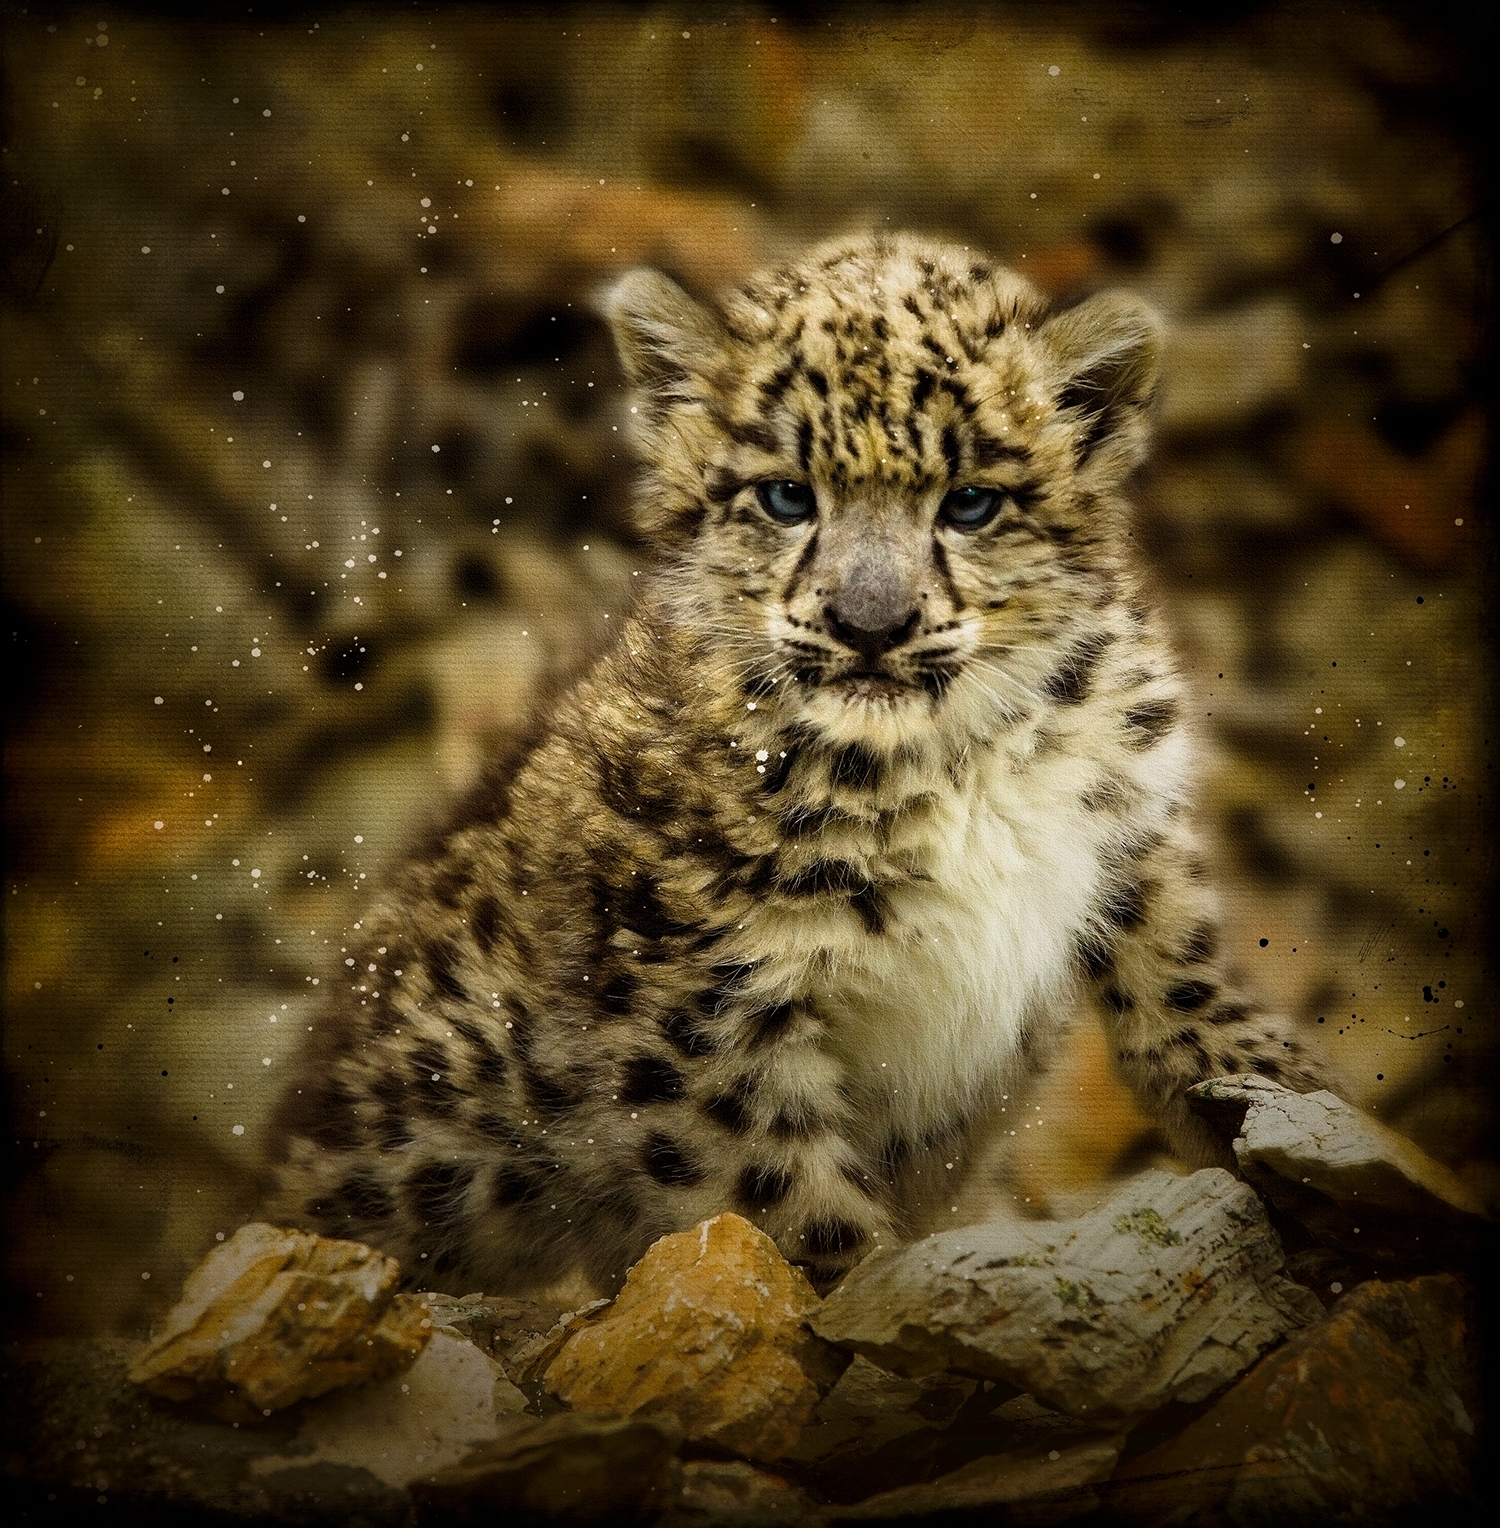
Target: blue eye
(967, 509)
(786, 502)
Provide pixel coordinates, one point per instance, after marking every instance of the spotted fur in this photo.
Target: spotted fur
(802, 875)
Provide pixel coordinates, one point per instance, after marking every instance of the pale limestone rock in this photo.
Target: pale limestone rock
(274, 1315)
(577, 1467)
(1163, 1294)
(1349, 1178)
(451, 1401)
(1035, 1485)
(711, 1327)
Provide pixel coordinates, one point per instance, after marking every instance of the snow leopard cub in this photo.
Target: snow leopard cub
(884, 774)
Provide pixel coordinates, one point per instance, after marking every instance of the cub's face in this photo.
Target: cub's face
(885, 477)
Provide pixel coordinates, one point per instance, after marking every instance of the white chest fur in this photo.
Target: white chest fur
(927, 1017)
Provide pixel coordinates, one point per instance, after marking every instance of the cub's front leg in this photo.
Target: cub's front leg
(1173, 1015)
(773, 1120)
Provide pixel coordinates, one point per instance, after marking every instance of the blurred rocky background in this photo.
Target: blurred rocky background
(313, 483)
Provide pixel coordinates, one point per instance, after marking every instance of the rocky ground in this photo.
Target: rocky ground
(312, 485)
(1154, 1361)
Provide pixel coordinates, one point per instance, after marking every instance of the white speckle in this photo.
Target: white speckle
(255, 875)
(158, 700)
(237, 395)
(1335, 238)
(359, 838)
(762, 755)
(145, 249)
(238, 1130)
(1400, 785)
(158, 826)
(1399, 742)
(265, 464)
(1053, 69)
(219, 289)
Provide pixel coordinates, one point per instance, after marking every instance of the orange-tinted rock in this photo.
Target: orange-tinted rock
(274, 1315)
(711, 1328)
(1368, 1414)
(528, 1361)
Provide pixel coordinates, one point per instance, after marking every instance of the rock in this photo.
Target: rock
(1414, 506)
(1163, 1294)
(451, 1401)
(1366, 1417)
(1225, 369)
(576, 1467)
(869, 1409)
(493, 1323)
(710, 1327)
(1349, 1179)
(528, 1360)
(729, 1493)
(274, 1315)
(875, 1430)
(156, 1463)
(1037, 1485)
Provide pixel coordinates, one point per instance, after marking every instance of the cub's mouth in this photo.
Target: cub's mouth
(870, 684)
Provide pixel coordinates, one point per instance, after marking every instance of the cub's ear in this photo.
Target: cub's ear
(1106, 354)
(665, 338)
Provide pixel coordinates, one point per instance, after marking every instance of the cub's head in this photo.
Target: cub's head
(885, 478)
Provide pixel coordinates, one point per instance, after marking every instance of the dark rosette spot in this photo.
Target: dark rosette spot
(669, 1164)
(366, 1197)
(436, 1190)
(1189, 997)
(829, 1238)
(651, 1080)
(763, 1187)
